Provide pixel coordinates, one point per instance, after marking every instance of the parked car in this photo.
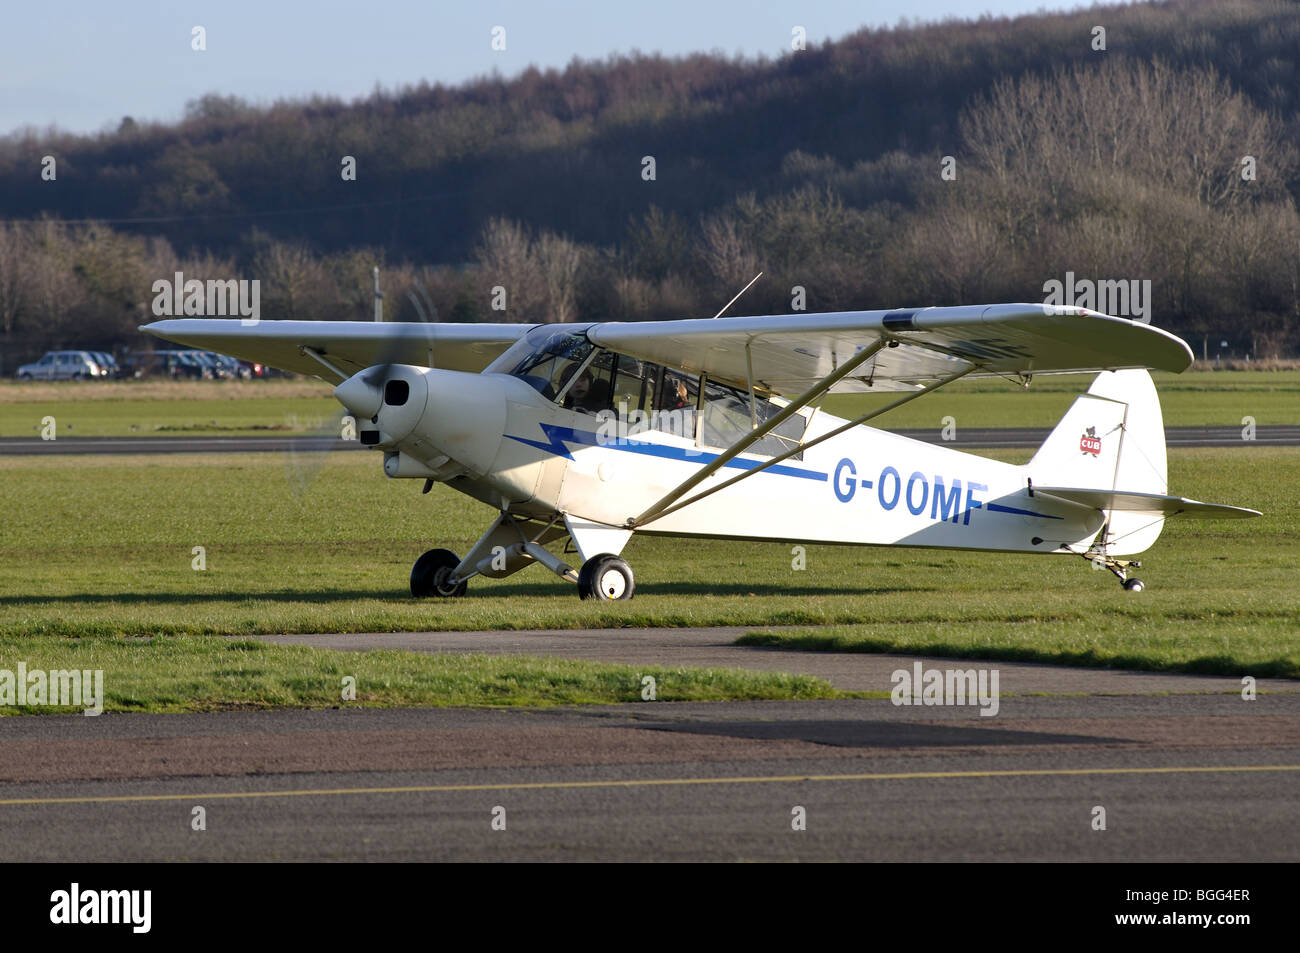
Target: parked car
(234, 368)
(62, 366)
(107, 363)
(174, 364)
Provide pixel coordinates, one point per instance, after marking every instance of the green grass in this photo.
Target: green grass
(248, 417)
(207, 673)
(126, 408)
(100, 547)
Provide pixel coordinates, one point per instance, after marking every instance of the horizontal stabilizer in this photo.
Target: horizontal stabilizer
(1135, 502)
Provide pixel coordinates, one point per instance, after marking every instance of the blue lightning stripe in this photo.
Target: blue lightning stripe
(559, 439)
(998, 507)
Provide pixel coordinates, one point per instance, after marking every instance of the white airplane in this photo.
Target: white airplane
(592, 432)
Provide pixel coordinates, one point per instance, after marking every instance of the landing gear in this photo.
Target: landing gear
(606, 577)
(1119, 567)
(431, 575)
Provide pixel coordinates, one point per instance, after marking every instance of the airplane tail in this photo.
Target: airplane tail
(1108, 452)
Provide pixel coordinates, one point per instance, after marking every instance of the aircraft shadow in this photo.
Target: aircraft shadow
(402, 595)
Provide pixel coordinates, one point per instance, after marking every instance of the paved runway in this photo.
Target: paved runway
(967, 439)
(1184, 767)
(1184, 777)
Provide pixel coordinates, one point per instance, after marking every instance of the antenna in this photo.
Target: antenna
(738, 294)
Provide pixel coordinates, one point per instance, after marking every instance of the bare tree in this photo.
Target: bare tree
(14, 260)
(558, 260)
(506, 260)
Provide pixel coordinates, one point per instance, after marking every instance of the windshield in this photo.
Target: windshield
(545, 357)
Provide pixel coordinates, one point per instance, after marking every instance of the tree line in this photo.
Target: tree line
(943, 164)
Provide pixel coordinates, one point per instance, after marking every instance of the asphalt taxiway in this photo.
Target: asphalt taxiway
(1182, 767)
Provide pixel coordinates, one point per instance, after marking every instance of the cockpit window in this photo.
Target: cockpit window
(545, 358)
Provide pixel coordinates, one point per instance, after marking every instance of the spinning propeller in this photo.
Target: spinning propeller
(362, 396)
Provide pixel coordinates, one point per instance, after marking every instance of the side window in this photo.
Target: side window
(675, 402)
(728, 418)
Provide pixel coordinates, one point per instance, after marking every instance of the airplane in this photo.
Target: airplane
(590, 433)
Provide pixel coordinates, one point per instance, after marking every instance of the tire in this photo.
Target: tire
(429, 574)
(1134, 585)
(24, 377)
(606, 577)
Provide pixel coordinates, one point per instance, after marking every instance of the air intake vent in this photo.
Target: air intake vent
(396, 393)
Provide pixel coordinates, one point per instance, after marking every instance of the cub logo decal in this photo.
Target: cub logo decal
(1090, 442)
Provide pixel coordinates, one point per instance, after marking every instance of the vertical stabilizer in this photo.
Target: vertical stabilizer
(1111, 438)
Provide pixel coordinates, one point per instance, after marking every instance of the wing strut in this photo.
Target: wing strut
(667, 505)
(311, 352)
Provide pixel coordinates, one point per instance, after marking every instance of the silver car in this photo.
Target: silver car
(61, 366)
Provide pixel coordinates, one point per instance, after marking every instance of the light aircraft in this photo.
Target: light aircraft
(588, 433)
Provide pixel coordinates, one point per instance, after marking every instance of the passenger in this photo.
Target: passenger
(678, 396)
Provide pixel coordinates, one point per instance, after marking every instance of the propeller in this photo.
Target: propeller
(362, 393)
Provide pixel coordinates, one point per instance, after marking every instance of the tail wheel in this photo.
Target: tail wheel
(606, 577)
(431, 575)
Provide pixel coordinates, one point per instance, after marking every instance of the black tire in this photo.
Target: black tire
(606, 577)
(430, 572)
(24, 377)
(1134, 585)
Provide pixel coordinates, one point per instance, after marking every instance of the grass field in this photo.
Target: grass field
(206, 673)
(100, 549)
(121, 408)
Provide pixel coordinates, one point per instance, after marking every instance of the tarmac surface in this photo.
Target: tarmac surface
(1183, 767)
(966, 439)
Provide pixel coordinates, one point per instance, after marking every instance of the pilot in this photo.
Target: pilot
(583, 394)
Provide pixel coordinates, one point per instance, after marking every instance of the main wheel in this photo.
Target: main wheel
(430, 574)
(1134, 585)
(606, 577)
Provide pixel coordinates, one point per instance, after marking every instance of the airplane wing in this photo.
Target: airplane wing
(351, 346)
(789, 353)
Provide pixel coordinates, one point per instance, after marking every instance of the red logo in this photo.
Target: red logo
(1090, 442)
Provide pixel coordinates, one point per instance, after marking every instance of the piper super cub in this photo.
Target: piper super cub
(593, 432)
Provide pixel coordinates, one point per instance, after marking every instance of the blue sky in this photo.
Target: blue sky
(84, 64)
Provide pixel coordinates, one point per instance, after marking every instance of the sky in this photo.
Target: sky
(84, 64)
